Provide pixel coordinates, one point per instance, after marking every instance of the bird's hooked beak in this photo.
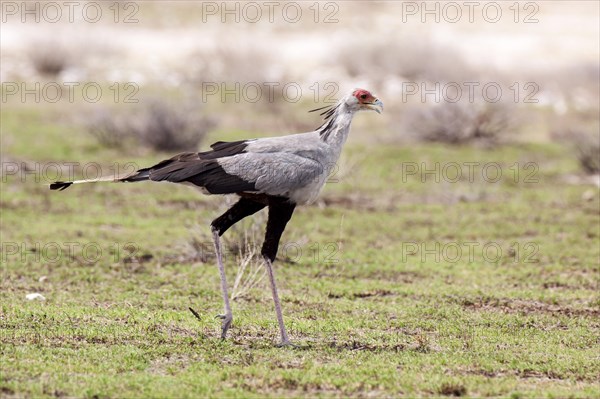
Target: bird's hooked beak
(376, 106)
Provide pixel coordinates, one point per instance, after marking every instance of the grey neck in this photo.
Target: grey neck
(335, 131)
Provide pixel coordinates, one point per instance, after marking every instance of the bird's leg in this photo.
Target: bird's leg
(284, 337)
(244, 207)
(228, 316)
(280, 213)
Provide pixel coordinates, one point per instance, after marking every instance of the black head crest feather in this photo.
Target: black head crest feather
(329, 110)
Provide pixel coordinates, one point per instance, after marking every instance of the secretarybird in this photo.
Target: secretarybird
(276, 172)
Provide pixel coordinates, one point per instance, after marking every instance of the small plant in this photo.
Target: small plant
(461, 123)
(165, 126)
(157, 124)
(49, 58)
(587, 147)
(244, 239)
(422, 343)
(110, 130)
(250, 271)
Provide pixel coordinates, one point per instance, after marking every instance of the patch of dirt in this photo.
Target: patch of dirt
(452, 389)
(523, 374)
(355, 345)
(6, 391)
(358, 202)
(305, 304)
(522, 306)
(364, 294)
(283, 386)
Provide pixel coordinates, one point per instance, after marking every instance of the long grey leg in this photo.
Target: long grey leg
(284, 337)
(228, 316)
(244, 207)
(280, 212)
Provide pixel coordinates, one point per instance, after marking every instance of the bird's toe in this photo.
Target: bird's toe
(225, 324)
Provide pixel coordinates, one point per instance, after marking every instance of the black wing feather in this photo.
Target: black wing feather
(201, 169)
(222, 149)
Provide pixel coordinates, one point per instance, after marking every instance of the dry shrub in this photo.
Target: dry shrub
(110, 129)
(245, 239)
(586, 147)
(165, 126)
(49, 58)
(250, 271)
(156, 123)
(82, 55)
(588, 152)
(461, 122)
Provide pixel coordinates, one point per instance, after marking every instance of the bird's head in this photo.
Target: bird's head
(363, 100)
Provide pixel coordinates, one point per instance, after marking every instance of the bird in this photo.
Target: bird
(278, 173)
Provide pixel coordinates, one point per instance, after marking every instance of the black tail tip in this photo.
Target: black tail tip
(60, 185)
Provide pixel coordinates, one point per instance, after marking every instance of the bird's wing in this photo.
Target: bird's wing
(273, 166)
(222, 149)
(274, 173)
(207, 173)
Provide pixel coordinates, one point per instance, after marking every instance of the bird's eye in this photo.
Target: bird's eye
(363, 97)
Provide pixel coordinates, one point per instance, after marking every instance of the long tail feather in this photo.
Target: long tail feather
(60, 185)
(140, 175)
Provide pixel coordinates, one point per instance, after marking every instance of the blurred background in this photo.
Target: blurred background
(482, 74)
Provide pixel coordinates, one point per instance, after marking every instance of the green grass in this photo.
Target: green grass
(373, 316)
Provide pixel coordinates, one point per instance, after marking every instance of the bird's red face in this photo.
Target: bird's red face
(367, 101)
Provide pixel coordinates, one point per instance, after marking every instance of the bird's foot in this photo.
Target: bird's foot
(287, 344)
(227, 319)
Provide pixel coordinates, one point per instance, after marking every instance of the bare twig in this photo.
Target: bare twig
(195, 314)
